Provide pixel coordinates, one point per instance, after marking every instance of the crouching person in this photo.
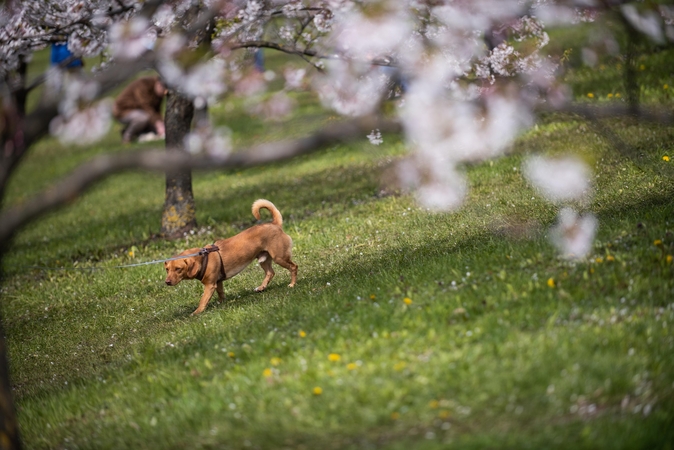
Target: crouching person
(138, 108)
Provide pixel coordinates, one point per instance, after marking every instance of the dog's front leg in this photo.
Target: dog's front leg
(221, 292)
(208, 293)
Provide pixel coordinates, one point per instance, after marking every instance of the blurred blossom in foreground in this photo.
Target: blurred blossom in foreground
(375, 137)
(275, 108)
(214, 142)
(294, 78)
(83, 127)
(350, 89)
(205, 81)
(455, 126)
(437, 185)
(75, 92)
(377, 34)
(558, 179)
(649, 23)
(129, 40)
(444, 193)
(573, 234)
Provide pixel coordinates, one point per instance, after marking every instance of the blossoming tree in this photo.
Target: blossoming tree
(471, 75)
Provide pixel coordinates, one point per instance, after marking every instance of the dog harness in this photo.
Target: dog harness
(204, 263)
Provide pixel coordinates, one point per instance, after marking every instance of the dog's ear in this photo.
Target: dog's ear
(193, 265)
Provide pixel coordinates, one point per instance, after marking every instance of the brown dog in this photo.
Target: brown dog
(227, 257)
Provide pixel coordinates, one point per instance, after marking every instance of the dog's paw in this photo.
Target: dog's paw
(259, 289)
(291, 285)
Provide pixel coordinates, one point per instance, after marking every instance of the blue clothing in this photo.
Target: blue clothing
(60, 52)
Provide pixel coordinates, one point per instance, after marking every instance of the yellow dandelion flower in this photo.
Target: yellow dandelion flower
(590, 95)
(599, 260)
(334, 357)
(231, 354)
(395, 415)
(275, 361)
(444, 414)
(665, 87)
(399, 366)
(551, 282)
(372, 296)
(433, 404)
(266, 372)
(657, 243)
(317, 390)
(642, 67)
(668, 259)
(618, 95)
(610, 258)
(351, 366)
(407, 300)
(302, 333)
(665, 158)
(610, 95)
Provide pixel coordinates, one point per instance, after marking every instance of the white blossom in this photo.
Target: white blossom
(350, 89)
(323, 21)
(649, 23)
(471, 73)
(293, 78)
(214, 142)
(559, 179)
(375, 137)
(275, 108)
(573, 234)
(129, 40)
(83, 127)
(204, 82)
(367, 37)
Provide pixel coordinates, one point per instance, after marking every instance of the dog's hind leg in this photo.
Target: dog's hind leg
(221, 292)
(265, 263)
(291, 266)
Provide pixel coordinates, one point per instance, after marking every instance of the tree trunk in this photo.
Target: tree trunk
(9, 426)
(179, 214)
(21, 94)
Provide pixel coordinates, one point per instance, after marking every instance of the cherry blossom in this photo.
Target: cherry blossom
(573, 234)
(466, 76)
(559, 179)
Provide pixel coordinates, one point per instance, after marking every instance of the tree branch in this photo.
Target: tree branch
(100, 167)
(281, 48)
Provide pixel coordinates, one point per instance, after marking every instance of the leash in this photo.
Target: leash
(203, 252)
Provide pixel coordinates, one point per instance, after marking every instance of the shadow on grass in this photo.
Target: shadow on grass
(297, 198)
(383, 268)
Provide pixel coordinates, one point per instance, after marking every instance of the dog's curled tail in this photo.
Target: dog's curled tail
(276, 217)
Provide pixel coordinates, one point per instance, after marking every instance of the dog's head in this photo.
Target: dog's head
(182, 269)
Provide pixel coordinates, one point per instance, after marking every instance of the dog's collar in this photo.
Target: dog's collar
(204, 263)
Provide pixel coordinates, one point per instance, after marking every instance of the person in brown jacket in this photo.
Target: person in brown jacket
(138, 108)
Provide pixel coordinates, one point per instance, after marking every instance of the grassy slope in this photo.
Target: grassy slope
(487, 354)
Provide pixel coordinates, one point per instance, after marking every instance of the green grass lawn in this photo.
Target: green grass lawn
(407, 329)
